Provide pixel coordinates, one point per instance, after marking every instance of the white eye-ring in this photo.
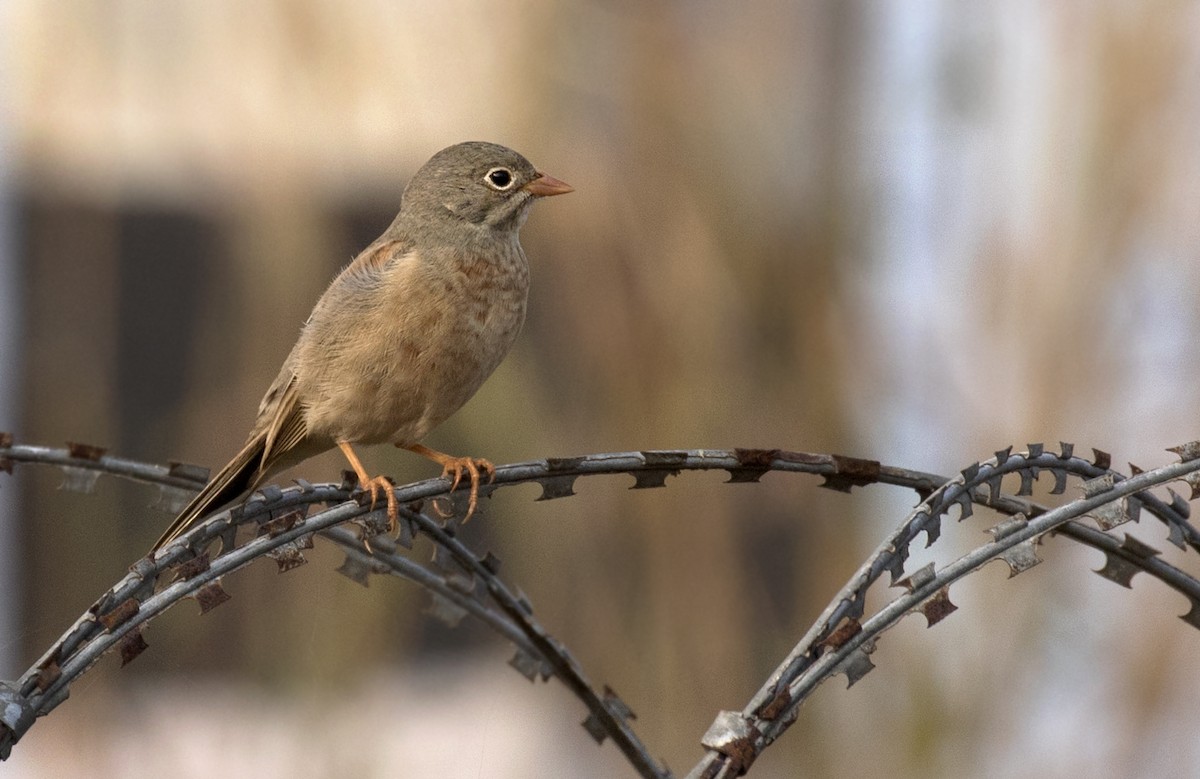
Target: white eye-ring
(499, 179)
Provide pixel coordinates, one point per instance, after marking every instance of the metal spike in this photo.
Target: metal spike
(171, 499)
(1103, 459)
(79, 451)
(1135, 470)
(115, 617)
(1193, 615)
(917, 579)
(445, 610)
(1002, 455)
(1068, 450)
(732, 735)
(849, 472)
(132, 645)
(966, 506)
(595, 728)
(557, 487)
(895, 565)
(1060, 481)
(1021, 558)
(1176, 536)
(1193, 481)
(526, 664)
(646, 480)
(617, 706)
(356, 570)
(858, 664)
(287, 557)
(932, 525)
(937, 607)
(78, 479)
(491, 563)
(970, 472)
(1027, 476)
(1118, 569)
(1111, 514)
(1179, 505)
(210, 596)
(1098, 485)
(407, 531)
(1187, 452)
(1008, 526)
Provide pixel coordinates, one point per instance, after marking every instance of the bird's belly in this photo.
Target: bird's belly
(399, 392)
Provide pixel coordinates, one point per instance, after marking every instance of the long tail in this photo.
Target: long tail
(242, 473)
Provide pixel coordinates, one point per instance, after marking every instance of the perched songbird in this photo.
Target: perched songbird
(405, 334)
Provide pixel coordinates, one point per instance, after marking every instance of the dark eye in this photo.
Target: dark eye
(500, 178)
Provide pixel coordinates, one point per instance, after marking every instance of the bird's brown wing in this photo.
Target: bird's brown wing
(279, 435)
(280, 428)
(235, 478)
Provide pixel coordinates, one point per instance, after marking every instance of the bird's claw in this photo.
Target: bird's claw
(382, 484)
(474, 467)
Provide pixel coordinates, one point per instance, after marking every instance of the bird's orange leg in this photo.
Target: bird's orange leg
(375, 485)
(454, 467)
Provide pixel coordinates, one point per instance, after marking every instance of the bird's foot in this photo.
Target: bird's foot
(383, 484)
(374, 485)
(455, 467)
(474, 468)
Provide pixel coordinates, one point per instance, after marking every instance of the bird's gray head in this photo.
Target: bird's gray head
(480, 183)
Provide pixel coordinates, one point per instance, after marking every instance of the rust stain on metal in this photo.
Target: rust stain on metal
(349, 481)
(752, 464)
(664, 457)
(1187, 452)
(210, 596)
(733, 736)
(85, 451)
(132, 646)
(197, 565)
(288, 558)
(851, 472)
(938, 607)
(777, 705)
(121, 614)
(563, 463)
(48, 672)
(283, 523)
(846, 631)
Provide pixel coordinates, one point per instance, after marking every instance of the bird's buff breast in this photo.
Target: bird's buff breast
(443, 333)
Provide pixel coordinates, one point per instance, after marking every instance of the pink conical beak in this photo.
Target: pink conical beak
(545, 186)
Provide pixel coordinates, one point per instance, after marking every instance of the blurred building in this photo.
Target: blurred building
(911, 233)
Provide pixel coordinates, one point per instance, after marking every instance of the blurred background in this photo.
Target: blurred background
(914, 232)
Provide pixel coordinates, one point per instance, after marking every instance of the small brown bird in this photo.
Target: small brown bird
(405, 334)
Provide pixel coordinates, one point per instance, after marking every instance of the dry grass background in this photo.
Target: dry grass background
(912, 233)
